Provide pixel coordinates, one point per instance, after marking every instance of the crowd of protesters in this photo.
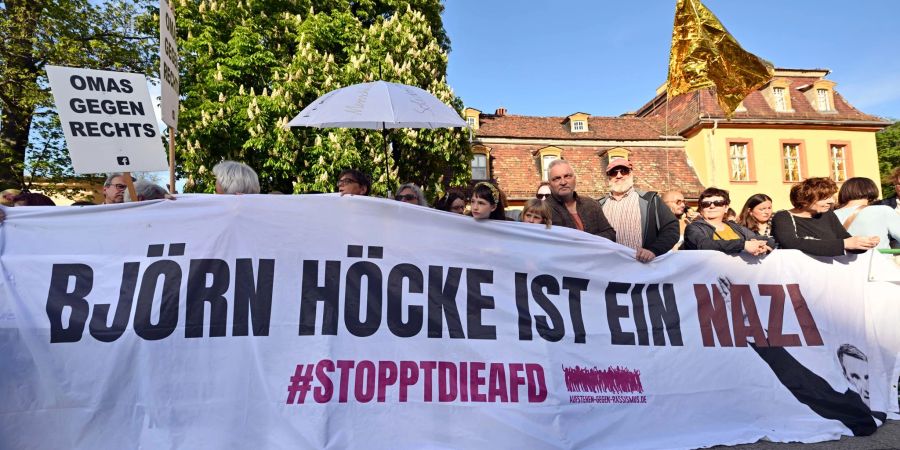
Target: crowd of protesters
(649, 223)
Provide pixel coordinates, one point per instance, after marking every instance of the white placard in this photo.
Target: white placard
(108, 120)
(168, 65)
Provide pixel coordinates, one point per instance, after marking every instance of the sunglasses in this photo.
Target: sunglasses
(345, 181)
(711, 203)
(542, 196)
(405, 197)
(623, 170)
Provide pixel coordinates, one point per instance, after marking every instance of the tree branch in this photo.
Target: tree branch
(112, 35)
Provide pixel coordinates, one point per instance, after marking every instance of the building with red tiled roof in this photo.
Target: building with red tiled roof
(515, 150)
(798, 126)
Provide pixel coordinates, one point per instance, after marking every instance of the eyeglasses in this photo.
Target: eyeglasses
(406, 197)
(623, 170)
(120, 187)
(711, 203)
(346, 181)
(542, 196)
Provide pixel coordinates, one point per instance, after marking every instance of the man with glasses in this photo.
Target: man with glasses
(571, 210)
(114, 188)
(641, 220)
(353, 182)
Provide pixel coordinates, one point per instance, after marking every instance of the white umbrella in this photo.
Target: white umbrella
(378, 105)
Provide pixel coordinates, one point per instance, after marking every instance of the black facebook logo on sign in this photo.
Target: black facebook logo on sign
(122, 160)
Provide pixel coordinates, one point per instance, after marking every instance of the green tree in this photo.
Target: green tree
(888, 143)
(113, 35)
(249, 67)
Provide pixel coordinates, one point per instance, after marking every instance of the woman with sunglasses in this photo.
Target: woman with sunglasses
(711, 231)
(812, 227)
(543, 191)
(410, 193)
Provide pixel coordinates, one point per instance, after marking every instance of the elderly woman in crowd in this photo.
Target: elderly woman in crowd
(486, 203)
(757, 214)
(536, 211)
(712, 230)
(233, 177)
(410, 193)
(145, 190)
(812, 227)
(453, 201)
(860, 217)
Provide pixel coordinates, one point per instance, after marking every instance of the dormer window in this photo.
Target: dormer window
(820, 95)
(578, 122)
(822, 102)
(780, 103)
(472, 116)
(778, 94)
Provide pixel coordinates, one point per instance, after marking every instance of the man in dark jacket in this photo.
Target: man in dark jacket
(641, 220)
(571, 210)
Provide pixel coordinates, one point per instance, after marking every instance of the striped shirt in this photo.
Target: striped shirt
(625, 217)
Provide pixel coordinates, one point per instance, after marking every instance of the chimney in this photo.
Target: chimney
(501, 111)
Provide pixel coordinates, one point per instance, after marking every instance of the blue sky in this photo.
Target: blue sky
(549, 58)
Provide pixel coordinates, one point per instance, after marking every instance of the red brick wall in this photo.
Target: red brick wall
(517, 169)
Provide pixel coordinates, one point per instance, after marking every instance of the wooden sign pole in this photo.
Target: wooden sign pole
(172, 160)
(129, 181)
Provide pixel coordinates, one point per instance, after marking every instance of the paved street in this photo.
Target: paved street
(887, 437)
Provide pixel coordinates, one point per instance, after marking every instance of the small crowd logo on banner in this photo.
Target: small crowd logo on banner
(622, 382)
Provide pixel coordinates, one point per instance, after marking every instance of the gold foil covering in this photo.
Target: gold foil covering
(704, 55)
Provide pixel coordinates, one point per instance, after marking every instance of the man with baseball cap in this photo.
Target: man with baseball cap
(641, 220)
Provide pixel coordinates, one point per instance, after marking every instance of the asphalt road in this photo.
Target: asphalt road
(886, 438)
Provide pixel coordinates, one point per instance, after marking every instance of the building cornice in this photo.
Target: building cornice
(675, 141)
(808, 124)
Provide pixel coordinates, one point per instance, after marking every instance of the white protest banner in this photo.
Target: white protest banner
(108, 120)
(354, 322)
(168, 65)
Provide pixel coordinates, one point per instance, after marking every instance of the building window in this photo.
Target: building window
(544, 157)
(578, 125)
(838, 163)
(740, 161)
(790, 155)
(545, 164)
(479, 166)
(822, 100)
(471, 122)
(780, 103)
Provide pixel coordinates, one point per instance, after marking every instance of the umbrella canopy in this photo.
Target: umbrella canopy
(377, 106)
